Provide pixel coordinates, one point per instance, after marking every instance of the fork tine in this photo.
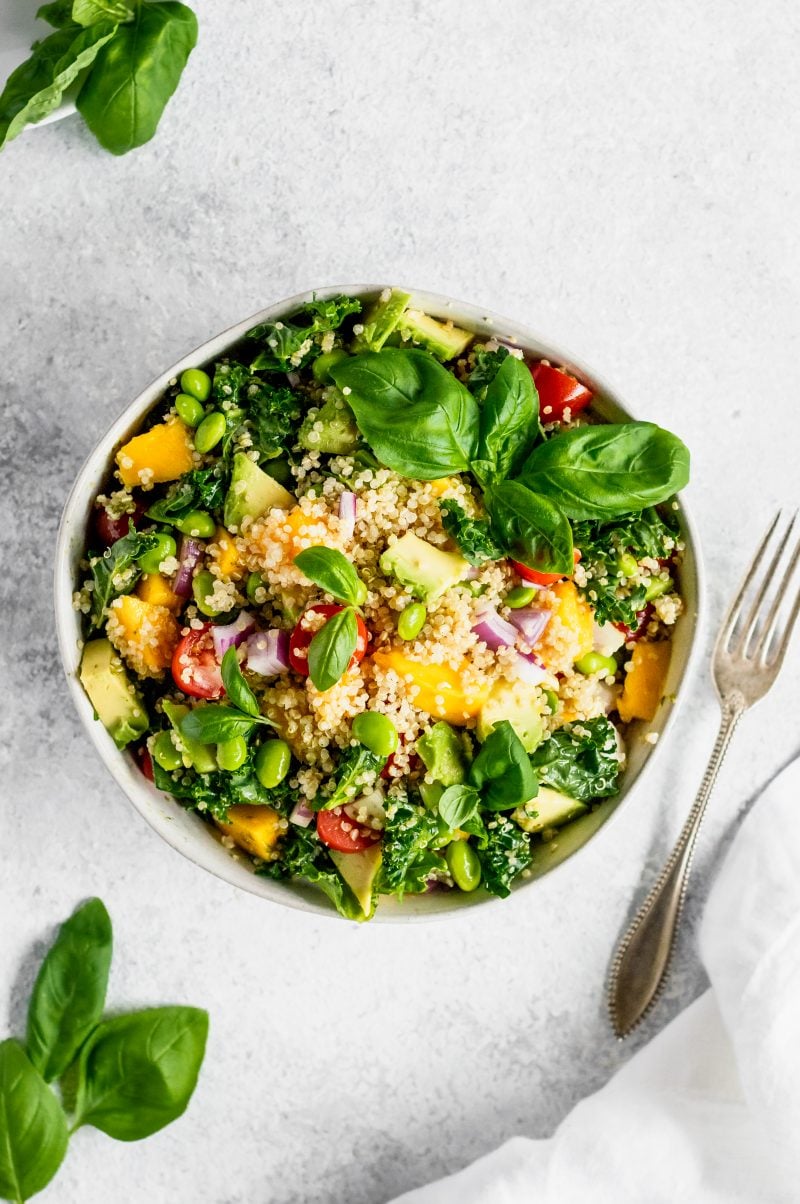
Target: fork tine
(748, 632)
(729, 622)
(763, 647)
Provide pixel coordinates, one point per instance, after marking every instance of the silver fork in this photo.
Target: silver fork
(747, 658)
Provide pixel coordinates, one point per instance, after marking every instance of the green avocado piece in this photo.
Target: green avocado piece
(200, 756)
(550, 809)
(332, 429)
(359, 871)
(252, 492)
(381, 320)
(427, 571)
(442, 339)
(116, 701)
(443, 754)
(519, 703)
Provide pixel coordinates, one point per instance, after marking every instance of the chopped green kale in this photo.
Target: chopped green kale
(581, 760)
(615, 597)
(505, 854)
(303, 855)
(294, 342)
(472, 535)
(116, 571)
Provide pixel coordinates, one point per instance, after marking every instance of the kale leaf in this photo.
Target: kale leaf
(303, 855)
(357, 770)
(487, 365)
(116, 571)
(214, 793)
(614, 598)
(409, 859)
(200, 489)
(472, 535)
(581, 760)
(505, 854)
(294, 342)
(269, 413)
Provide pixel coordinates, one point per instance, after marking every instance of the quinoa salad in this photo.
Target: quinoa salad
(381, 600)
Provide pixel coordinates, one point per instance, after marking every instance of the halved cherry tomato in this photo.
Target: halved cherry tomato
(643, 617)
(542, 578)
(109, 529)
(195, 667)
(307, 628)
(335, 829)
(144, 761)
(558, 391)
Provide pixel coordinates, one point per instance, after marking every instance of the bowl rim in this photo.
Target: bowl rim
(142, 795)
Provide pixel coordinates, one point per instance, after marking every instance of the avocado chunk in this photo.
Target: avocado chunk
(359, 871)
(332, 429)
(117, 703)
(442, 339)
(442, 753)
(381, 320)
(427, 571)
(519, 703)
(200, 756)
(252, 492)
(550, 809)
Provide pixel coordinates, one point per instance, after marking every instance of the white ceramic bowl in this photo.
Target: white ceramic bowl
(184, 830)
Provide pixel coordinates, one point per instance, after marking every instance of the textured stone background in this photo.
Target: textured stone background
(622, 177)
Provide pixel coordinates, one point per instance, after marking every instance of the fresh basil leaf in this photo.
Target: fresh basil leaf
(137, 1071)
(474, 539)
(33, 1130)
(417, 417)
(332, 648)
(213, 724)
(58, 14)
(502, 770)
(505, 854)
(237, 689)
(35, 88)
(581, 760)
(116, 571)
(530, 527)
(70, 990)
(602, 471)
(509, 422)
(332, 572)
(458, 805)
(89, 12)
(134, 76)
(357, 769)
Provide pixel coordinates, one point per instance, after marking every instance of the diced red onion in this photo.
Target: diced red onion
(495, 631)
(231, 635)
(268, 652)
(472, 572)
(190, 552)
(301, 814)
(529, 668)
(530, 621)
(347, 514)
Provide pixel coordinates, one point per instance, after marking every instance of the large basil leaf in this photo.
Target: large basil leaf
(134, 76)
(33, 1131)
(137, 1072)
(70, 990)
(458, 804)
(601, 471)
(215, 723)
(509, 422)
(237, 689)
(332, 572)
(530, 527)
(332, 648)
(419, 420)
(58, 14)
(38, 84)
(89, 12)
(502, 771)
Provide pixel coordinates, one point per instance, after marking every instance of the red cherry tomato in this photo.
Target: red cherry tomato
(109, 529)
(558, 391)
(643, 617)
(195, 667)
(306, 629)
(535, 578)
(144, 761)
(335, 829)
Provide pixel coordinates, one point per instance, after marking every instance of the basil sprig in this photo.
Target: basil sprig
(332, 648)
(216, 723)
(332, 572)
(129, 1075)
(501, 777)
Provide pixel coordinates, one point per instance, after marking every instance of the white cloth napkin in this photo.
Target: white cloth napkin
(710, 1109)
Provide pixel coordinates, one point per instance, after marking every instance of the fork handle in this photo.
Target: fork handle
(643, 955)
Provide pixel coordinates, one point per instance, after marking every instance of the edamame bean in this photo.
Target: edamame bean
(255, 582)
(196, 383)
(464, 865)
(203, 586)
(165, 753)
(190, 410)
(594, 662)
(150, 562)
(232, 754)
(198, 524)
(375, 732)
(411, 621)
(627, 564)
(321, 368)
(551, 700)
(210, 431)
(521, 595)
(280, 471)
(430, 793)
(657, 587)
(272, 762)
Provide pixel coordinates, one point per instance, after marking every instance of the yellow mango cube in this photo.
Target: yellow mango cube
(144, 633)
(226, 554)
(644, 682)
(437, 690)
(255, 829)
(572, 635)
(155, 588)
(163, 453)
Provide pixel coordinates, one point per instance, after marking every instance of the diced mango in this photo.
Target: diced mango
(441, 485)
(440, 690)
(144, 633)
(163, 453)
(644, 682)
(255, 829)
(155, 588)
(574, 614)
(226, 554)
